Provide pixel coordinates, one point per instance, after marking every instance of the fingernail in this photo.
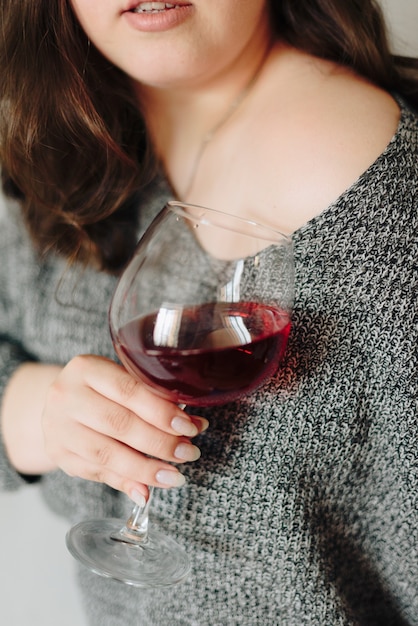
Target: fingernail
(203, 423)
(183, 426)
(170, 478)
(187, 452)
(138, 498)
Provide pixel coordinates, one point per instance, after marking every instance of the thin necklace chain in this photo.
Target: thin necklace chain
(224, 119)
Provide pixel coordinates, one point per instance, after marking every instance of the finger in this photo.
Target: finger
(115, 383)
(104, 460)
(118, 423)
(137, 491)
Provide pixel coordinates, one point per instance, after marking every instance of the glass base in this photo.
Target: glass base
(157, 562)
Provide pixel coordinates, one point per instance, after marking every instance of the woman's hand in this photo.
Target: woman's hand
(101, 424)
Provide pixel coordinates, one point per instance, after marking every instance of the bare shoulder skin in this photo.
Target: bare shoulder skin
(304, 134)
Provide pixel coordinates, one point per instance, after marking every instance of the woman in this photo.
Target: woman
(301, 509)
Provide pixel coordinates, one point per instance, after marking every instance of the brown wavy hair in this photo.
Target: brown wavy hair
(73, 144)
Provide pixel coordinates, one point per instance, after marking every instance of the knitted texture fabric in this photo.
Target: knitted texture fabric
(303, 507)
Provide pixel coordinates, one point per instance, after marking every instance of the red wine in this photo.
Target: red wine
(207, 354)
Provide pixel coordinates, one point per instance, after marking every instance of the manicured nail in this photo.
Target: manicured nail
(170, 478)
(204, 424)
(187, 452)
(138, 498)
(183, 426)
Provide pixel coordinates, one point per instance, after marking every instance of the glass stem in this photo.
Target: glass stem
(135, 530)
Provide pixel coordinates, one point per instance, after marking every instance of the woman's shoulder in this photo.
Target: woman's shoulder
(335, 112)
(12, 227)
(18, 255)
(304, 135)
(321, 130)
(10, 216)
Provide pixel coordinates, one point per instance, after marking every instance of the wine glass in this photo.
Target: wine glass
(201, 315)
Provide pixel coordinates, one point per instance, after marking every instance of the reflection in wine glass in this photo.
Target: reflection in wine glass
(201, 315)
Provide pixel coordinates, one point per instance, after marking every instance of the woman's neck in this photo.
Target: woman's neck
(182, 121)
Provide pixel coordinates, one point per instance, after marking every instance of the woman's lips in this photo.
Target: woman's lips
(157, 16)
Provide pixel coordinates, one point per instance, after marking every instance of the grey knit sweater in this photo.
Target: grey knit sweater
(303, 507)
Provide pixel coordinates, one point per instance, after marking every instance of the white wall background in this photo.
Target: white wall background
(403, 24)
(36, 583)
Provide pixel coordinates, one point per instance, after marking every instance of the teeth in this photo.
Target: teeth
(153, 7)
